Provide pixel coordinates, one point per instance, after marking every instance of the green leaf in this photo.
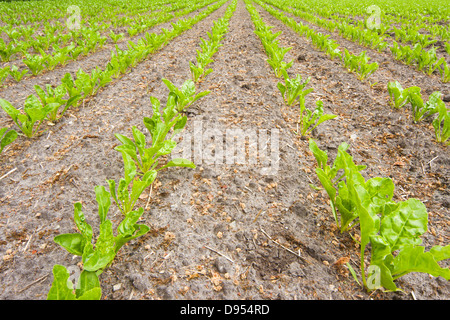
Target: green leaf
(139, 139)
(166, 147)
(179, 162)
(84, 227)
(381, 254)
(60, 287)
(72, 242)
(413, 259)
(88, 286)
(124, 139)
(129, 230)
(352, 271)
(9, 109)
(404, 225)
(104, 249)
(93, 294)
(8, 138)
(440, 253)
(321, 156)
(140, 185)
(103, 198)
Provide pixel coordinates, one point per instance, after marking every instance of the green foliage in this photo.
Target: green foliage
(293, 88)
(16, 73)
(421, 109)
(36, 63)
(88, 286)
(399, 96)
(183, 97)
(359, 64)
(4, 72)
(7, 50)
(209, 47)
(115, 37)
(393, 229)
(159, 126)
(274, 51)
(97, 258)
(6, 137)
(311, 119)
(34, 113)
(441, 124)
(54, 97)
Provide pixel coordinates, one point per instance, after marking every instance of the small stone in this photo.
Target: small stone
(117, 287)
(222, 265)
(169, 236)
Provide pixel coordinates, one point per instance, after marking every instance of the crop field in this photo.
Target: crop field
(224, 150)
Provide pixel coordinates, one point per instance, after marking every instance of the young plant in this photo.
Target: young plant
(199, 71)
(422, 110)
(359, 64)
(334, 185)
(125, 199)
(7, 50)
(444, 71)
(292, 88)
(60, 56)
(185, 96)
(16, 73)
(392, 229)
(100, 78)
(36, 63)
(209, 48)
(55, 96)
(115, 37)
(4, 72)
(35, 113)
(441, 124)
(399, 96)
(159, 126)
(85, 83)
(95, 258)
(7, 137)
(311, 120)
(276, 56)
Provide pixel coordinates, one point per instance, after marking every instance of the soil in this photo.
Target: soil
(222, 231)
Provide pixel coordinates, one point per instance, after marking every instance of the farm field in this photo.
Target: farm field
(121, 166)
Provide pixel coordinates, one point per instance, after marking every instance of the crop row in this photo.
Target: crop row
(391, 229)
(84, 41)
(424, 60)
(360, 65)
(51, 103)
(141, 160)
(353, 63)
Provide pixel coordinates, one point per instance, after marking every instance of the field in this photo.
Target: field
(170, 150)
